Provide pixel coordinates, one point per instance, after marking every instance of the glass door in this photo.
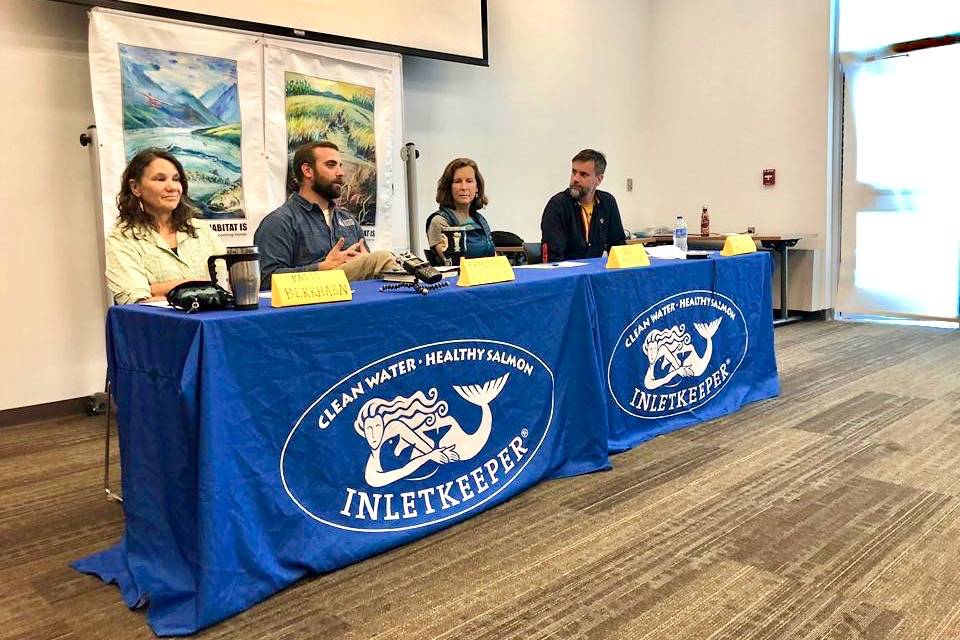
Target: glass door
(900, 206)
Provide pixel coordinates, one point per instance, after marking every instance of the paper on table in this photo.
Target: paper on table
(666, 252)
(552, 265)
(156, 303)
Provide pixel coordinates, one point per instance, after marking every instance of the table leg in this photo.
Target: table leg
(782, 248)
(784, 283)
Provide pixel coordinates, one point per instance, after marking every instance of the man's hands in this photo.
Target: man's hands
(338, 256)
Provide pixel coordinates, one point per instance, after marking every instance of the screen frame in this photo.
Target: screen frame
(297, 34)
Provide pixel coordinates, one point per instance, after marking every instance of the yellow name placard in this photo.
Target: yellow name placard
(630, 255)
(310, 287)
(738, 244)
(474, 271)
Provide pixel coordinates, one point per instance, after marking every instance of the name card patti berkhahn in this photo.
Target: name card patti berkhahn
(474, 271)
(629, 255)
(738, 244)
(311, 287)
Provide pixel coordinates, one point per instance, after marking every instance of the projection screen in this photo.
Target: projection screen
(447, 29)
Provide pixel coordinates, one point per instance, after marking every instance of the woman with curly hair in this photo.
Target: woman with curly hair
(155, 244)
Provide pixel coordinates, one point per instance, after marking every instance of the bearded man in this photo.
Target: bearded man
(309, 232)
(581, 221)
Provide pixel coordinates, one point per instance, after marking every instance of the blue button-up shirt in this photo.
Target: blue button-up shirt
(296, 237)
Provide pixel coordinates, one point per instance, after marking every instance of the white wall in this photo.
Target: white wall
(738, 86)
(690, 98)
(563, 75)
(51, 328)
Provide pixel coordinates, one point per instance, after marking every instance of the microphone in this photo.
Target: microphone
(419, 269)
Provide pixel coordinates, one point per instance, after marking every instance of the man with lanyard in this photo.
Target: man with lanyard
(309, 232)
(582, 221)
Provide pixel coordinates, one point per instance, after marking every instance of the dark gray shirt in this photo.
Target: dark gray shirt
(296, 237)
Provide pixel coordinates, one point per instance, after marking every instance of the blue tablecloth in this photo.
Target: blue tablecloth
(259, 447)
(684, 342)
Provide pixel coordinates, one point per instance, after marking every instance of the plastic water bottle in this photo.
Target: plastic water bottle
(680, 234)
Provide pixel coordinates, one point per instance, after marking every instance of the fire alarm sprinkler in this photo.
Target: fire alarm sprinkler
(769, 177)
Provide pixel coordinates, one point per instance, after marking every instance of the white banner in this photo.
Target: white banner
(195, 92)
(354, 99)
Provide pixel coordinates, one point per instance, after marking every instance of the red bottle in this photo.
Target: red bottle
(704, 222)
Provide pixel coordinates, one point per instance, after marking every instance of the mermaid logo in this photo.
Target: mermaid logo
(420, 436)
(671, 351)
(660, 367)
(414, 424)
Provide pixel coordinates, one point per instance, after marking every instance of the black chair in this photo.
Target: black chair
(508, 244)
(100, 404)
(533, 252)
(506, 239)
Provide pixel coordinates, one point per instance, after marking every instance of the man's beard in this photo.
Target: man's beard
(327, 189)
(577, 192)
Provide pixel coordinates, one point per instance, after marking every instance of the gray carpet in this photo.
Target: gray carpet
(829, 512)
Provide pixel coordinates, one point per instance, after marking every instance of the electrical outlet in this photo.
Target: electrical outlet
(629, 184)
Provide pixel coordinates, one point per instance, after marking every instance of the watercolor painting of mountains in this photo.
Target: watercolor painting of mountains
(189, 105)
(343, 113)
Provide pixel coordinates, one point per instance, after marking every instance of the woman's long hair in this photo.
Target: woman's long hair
(445, 183)
(131, 213)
